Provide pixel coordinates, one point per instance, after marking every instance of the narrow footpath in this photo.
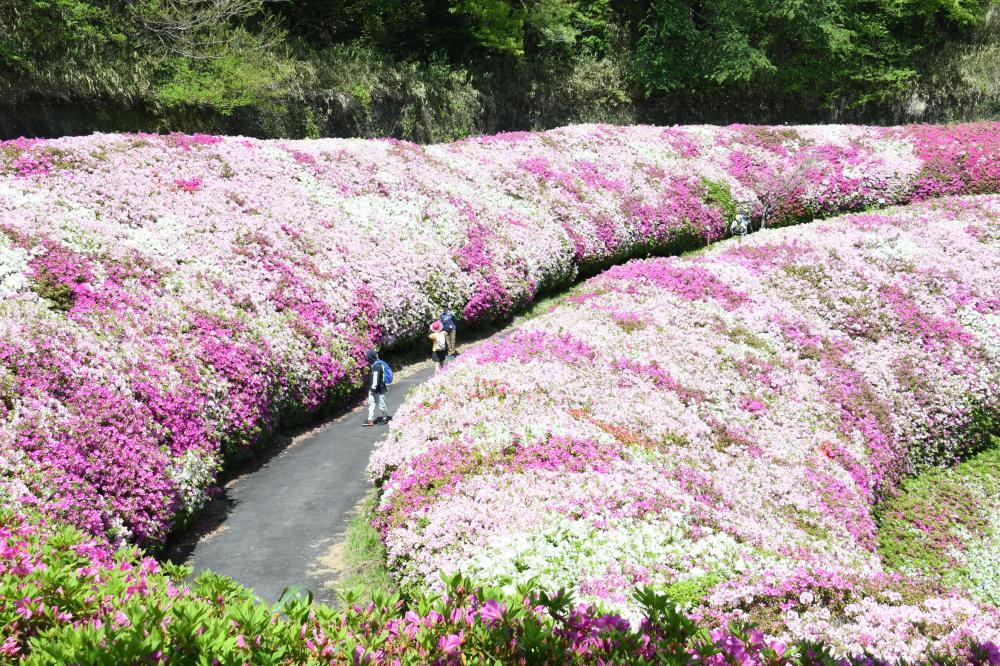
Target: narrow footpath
(282, 523)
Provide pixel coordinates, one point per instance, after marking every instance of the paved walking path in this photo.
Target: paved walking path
(280, 525)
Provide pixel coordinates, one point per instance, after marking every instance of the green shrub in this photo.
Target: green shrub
(717, 194)
(60, 295)
(692, 591)
(925, 527)
(65, 599)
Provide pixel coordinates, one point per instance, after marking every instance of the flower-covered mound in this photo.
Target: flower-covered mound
(166, 300)
(722, 428)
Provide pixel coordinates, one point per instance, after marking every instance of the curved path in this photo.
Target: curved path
(282, 523)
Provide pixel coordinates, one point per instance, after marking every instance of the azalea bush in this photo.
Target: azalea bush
(722, 428)
(170, 300)
(68, 599)
(65, 598)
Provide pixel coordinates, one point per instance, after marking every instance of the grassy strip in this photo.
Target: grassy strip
(365, 570)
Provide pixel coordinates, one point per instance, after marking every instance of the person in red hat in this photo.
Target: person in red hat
(439, 345)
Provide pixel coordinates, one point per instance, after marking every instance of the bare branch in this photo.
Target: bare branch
(776, 190)
(193, 28)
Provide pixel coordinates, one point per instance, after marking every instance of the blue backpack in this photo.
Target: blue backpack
(386, 371)
(447, 321)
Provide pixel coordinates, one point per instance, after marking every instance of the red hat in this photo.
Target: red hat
(436, 326)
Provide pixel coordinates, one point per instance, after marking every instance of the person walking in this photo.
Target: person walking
(439, 345)
(447, 320)
(376, 390)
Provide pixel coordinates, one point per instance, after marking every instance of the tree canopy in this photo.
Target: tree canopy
(569, 58)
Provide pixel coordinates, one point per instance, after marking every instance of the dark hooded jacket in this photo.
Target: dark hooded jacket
(377, 385)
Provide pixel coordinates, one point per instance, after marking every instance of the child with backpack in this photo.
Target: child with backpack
(447, 320)
(381, 377)
(439, 345)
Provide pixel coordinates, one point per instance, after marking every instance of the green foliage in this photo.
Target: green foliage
(434, 70)
(691, 591)
(158, 51)
(553, 22)
(571, 29)
(364, 564)
(360, 92)
(59, 294)
(64, 48)
(210, 58)
(923, 528)
(821, 50)
(587, 90)
(374, 95)
(59, 608)
(717, 194)
(224, 82)
(962, 79)
(539, 28)
(191, 630)
(35, 31)
(496, 24)
(8, 396)
(983, 433)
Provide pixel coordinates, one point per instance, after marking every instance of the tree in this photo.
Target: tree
(197, 29)
(546, 28)
(818, 50)
(44, 42)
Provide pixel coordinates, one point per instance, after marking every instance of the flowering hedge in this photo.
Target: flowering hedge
(721, 428)
(167, 299)
(65, 599)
